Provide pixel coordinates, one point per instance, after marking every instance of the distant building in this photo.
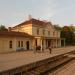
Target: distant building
(30, 34)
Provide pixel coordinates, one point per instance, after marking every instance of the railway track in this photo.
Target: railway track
(51, 66)
(42, 67)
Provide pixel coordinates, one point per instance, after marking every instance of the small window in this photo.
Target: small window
(48, 32)
(18, 43)
(54, 33)
(10, 44)
(37, 31)
(43, 32)
(21, 43)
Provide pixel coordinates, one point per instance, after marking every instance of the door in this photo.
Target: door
(27, 45)
(49, 43)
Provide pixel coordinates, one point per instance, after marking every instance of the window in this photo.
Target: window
(10, 44)
(48, 32)
(18, 43)
(21, 43)
(54, 33)
(36, 42)
(43, 32)
(37, 31)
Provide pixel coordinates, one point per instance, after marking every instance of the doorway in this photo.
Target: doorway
(49, 43)
(27, 45)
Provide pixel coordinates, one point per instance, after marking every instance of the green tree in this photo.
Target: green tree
(3, 28)
(67, 32)
(72, 28)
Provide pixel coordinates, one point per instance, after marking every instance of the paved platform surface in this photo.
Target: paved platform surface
(16, 59)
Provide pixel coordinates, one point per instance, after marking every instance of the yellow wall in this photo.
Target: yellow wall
(32, 30)
(46, 29)
(24, 42)
(26, 28)
(4, 43)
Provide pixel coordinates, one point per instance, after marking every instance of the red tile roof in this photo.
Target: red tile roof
(15, 34)
(34, 21)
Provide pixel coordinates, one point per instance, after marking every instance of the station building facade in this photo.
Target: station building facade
(28, 35)
(43, 32)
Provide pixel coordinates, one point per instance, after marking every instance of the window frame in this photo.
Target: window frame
(21, 43)
(18, 43)
(10, 44)
(48, 32)
(38, 31)
(43, 32)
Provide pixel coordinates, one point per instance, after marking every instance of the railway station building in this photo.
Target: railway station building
(30, 34)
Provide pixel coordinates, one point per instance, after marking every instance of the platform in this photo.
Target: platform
(13, 60)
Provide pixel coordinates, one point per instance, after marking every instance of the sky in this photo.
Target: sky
(13, 12)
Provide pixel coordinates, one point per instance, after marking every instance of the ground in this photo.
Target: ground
(16, 59)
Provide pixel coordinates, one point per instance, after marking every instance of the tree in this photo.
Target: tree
(3, 28)
(72, 28)
(67, 32)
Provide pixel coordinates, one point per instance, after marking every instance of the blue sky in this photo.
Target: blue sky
(60, 12)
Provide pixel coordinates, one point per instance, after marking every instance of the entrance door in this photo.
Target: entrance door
(35, 42)
(27, 45)
(49, 43)
(62, 43)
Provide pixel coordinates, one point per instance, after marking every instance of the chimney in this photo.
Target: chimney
(29, 17)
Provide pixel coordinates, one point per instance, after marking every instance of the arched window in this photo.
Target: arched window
(43, 32)
(38, 31)
(48, 32)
